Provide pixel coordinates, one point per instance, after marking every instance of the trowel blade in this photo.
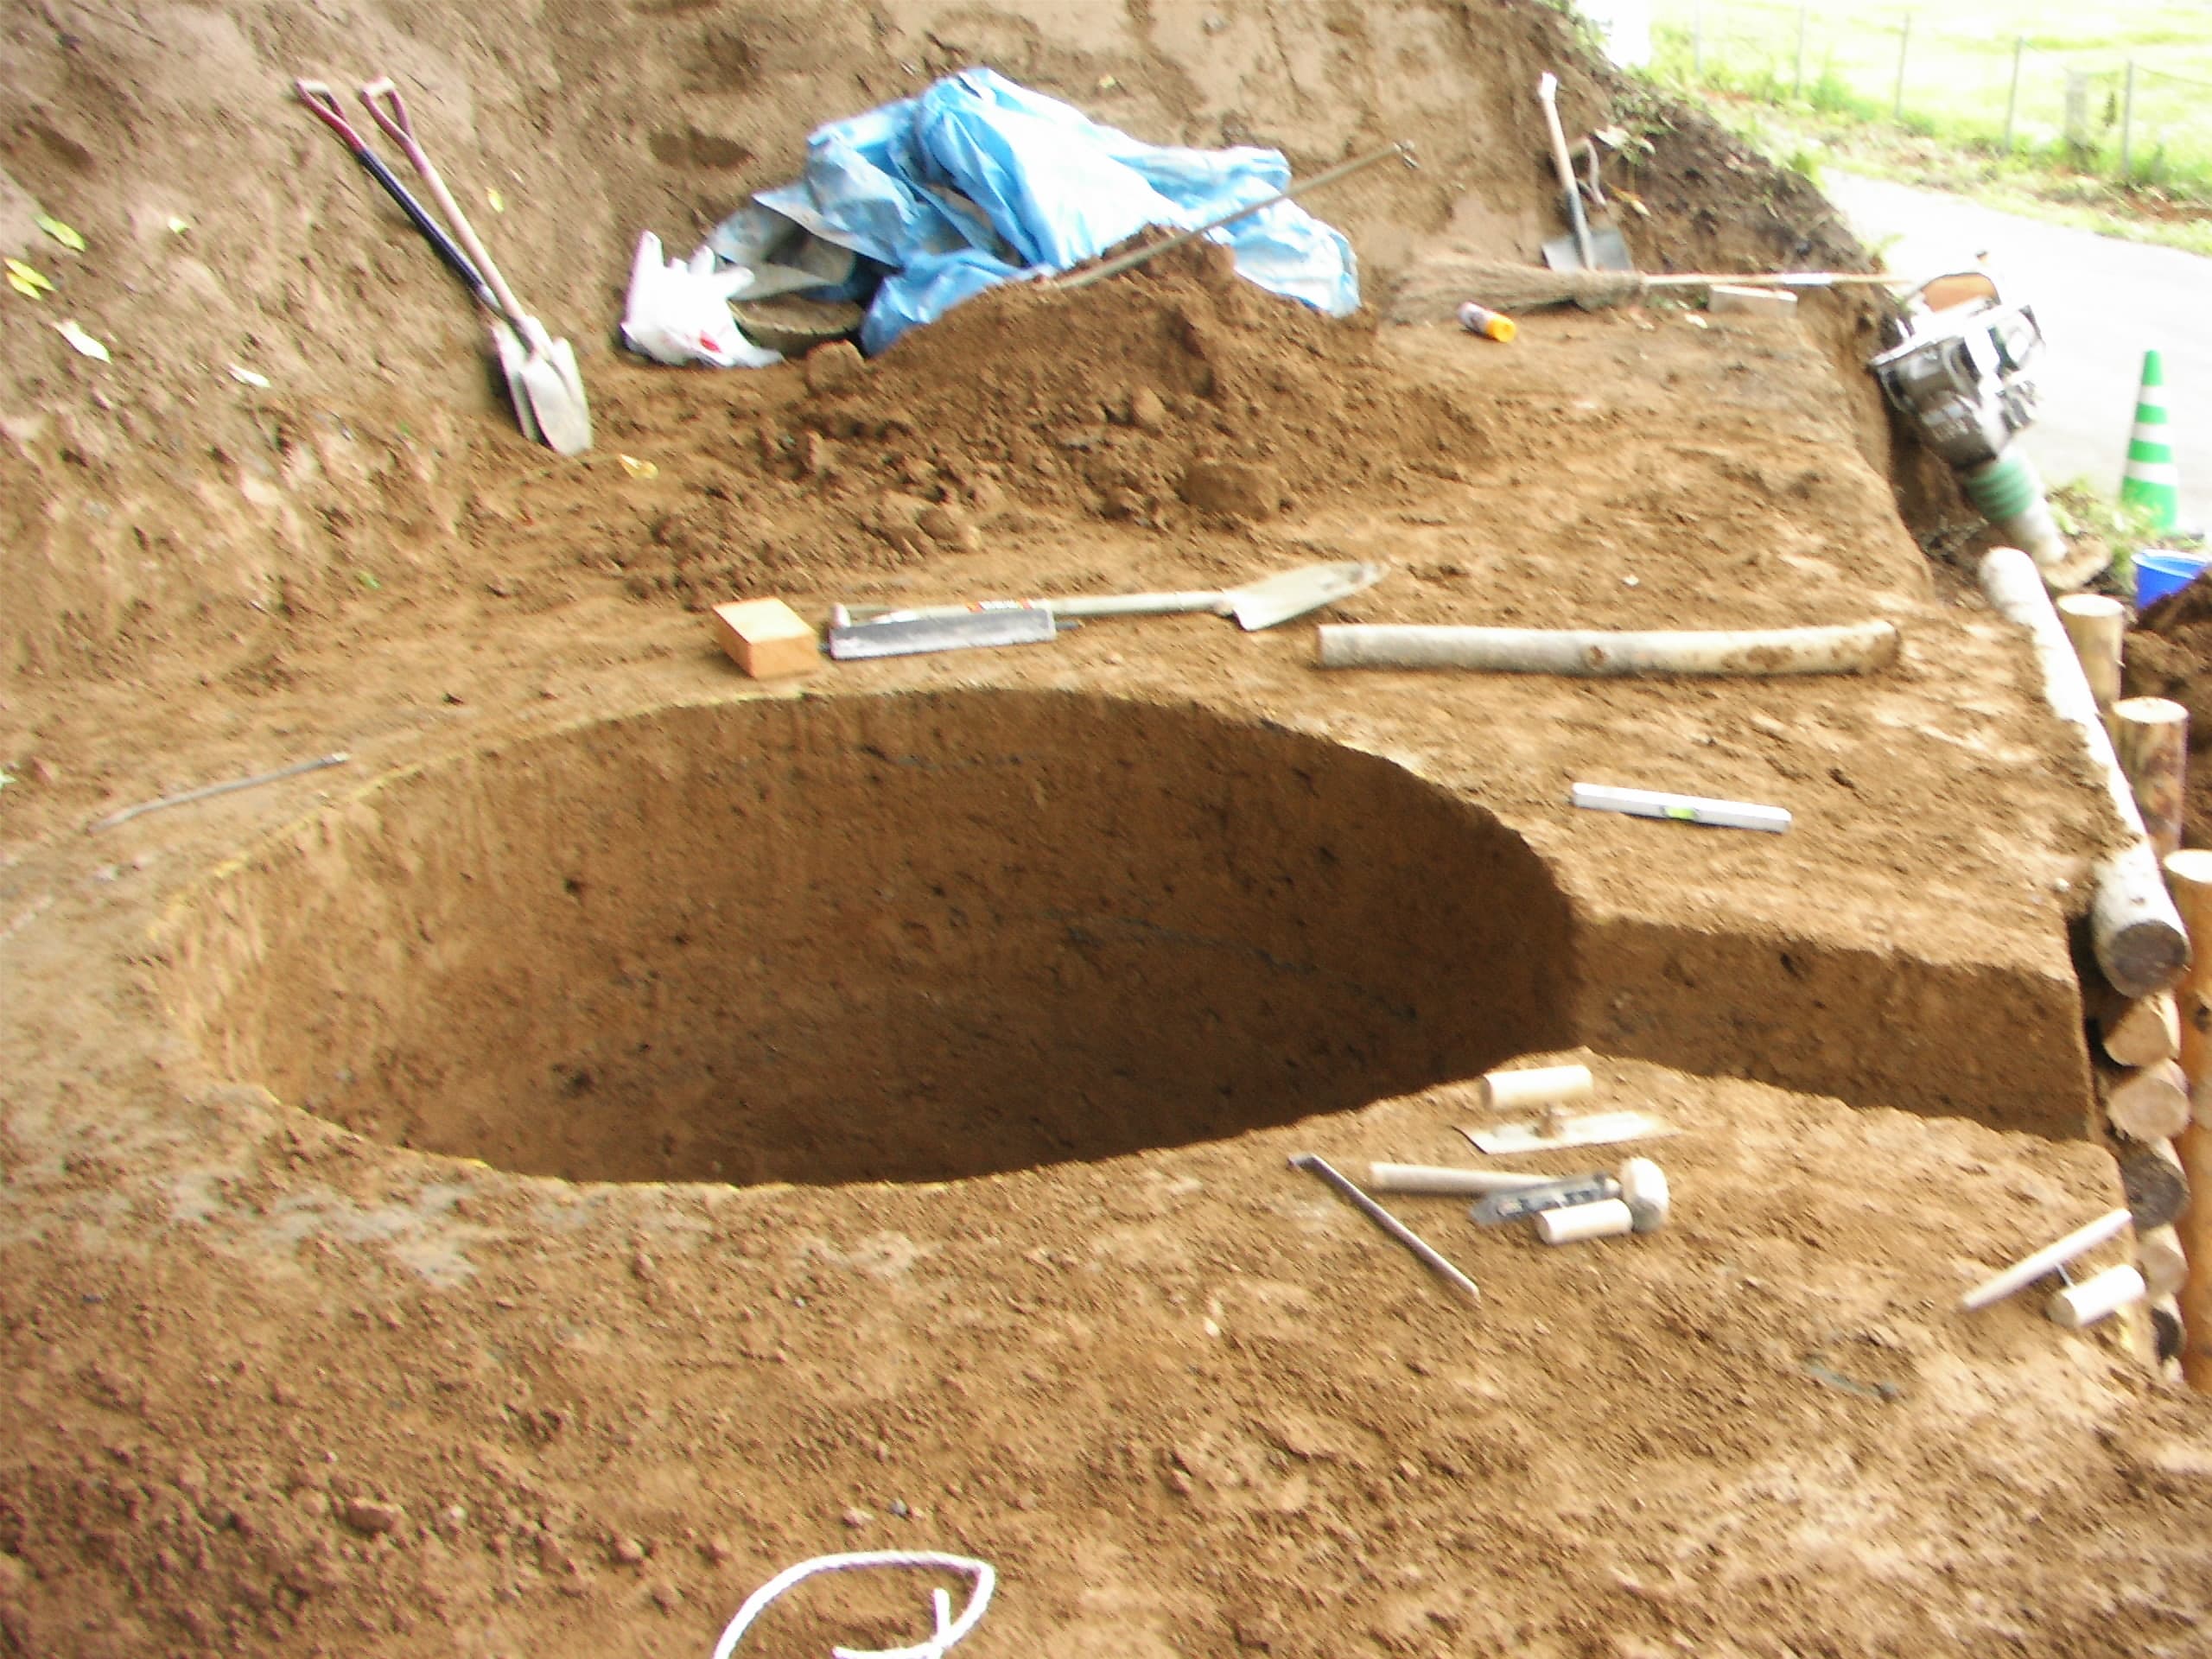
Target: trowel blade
(907, 636)
(1292, 592)
(1597, 1129)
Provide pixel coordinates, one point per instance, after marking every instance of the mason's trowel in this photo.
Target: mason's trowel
(1256, 605)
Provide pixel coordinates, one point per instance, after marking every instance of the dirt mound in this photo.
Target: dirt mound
(158, 501)
(1179, 401)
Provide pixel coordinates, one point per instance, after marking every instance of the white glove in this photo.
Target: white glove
(679, 314)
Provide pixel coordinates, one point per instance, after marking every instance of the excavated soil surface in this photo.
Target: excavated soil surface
(630, 1127)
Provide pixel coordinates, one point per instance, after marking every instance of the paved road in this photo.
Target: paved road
(2101, 303)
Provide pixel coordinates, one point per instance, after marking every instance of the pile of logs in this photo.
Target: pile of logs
(2151, 1013)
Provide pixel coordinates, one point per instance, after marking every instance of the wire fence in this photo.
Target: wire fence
(2128, 113)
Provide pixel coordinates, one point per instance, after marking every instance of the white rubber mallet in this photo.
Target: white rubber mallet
(1641, 1208)
(2096, 1297)
(2049, 1259)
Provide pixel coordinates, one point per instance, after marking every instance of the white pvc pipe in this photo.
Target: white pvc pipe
(1607, 1218)
(1452, 1182)
(1851, 648)
(2096, 1299)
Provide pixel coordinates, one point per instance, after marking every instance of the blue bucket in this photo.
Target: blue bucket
(2161, 571)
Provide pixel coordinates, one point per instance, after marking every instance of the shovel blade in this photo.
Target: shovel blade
(556, 398)
(512, 355)
(1293, 593)
(1606, 246)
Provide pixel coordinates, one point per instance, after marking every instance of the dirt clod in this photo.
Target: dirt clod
(833, 368)
(1237, 489)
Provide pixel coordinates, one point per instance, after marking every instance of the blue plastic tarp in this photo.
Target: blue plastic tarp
(977, 181)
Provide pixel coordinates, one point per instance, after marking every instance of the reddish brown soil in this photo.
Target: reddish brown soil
(2170, 655)
(632, 1128)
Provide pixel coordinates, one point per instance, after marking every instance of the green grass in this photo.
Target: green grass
(1948, 127)
(2083, 513)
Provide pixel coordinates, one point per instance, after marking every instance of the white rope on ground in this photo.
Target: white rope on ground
(949, 1630)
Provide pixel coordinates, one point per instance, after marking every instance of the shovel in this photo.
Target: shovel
(1256, 605)
(322, 103)
(553, 408)
(1602, 249)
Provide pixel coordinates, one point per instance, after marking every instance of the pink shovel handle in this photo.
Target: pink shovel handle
(384, 101)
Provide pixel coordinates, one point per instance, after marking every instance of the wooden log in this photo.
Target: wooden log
(2191, 873)
(1436, 284)
(2167, 1332)
(2159, 1254)
(2149, 1104)
(1850, 648)
(2096, 624)
(2150, 735)
(2151, 1177)
(2133, 926)
(2139, 1031)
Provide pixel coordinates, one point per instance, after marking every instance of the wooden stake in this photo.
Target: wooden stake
(2096, 623)
(2150, 1104)
(2150, 736)
(2190, 874)
(2140, 1032)
(2133, 927)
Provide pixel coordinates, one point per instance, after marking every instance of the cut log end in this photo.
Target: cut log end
(2151, 1177)
(2148, 1104)
(2144, 956)
(2140, 1032)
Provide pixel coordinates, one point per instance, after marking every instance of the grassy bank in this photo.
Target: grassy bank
(2031, 103)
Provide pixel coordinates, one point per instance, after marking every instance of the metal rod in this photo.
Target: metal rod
(1136, 256)
(1423, 1251)
(208, 790)
(2013, 99)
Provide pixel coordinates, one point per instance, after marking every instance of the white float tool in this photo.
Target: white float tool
(1639, 1190)
(1424, 1252)
(2049, 1259)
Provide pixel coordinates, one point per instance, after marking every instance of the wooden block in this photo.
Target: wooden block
(766, 638)
(1728, 299)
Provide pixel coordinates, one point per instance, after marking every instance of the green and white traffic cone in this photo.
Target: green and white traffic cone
(2151, 481)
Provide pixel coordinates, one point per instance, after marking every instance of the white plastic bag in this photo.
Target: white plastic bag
(679, 313)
